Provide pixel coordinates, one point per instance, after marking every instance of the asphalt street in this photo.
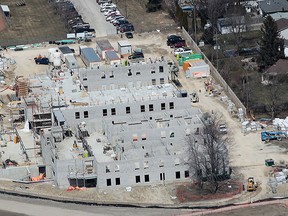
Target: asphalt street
(90, 12)
(21, 206)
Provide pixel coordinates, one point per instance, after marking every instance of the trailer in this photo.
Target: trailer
(273, 135)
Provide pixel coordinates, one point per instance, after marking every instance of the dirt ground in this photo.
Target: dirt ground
(33, 23)
(135, 12)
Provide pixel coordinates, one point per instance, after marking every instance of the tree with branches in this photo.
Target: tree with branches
(208, 154)
(271, 45)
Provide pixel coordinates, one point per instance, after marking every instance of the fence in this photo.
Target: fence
(214, 73)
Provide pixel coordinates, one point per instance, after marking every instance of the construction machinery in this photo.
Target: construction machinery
(194, 97)
(251, 184)
(272, 135)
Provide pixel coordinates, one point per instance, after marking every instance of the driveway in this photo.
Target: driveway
(90, 12)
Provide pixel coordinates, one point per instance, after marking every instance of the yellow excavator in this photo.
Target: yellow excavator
(251, 186)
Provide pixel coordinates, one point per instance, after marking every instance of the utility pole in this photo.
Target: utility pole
(126, 14)
(194, 18)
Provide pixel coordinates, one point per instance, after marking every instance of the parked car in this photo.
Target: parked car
(18, 49)
(81, 25)
(107, 8)
(108, 18)
(173, 39)
(178, 44)
(182, 50)
(129, 35)
(223, 128)
(117, 18)
(120, 22)
(136, 55)
(44, 61)
(169, 37)
(104, 1)
(127, 28)
(111, 13)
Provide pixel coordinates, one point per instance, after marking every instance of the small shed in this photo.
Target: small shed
(102, 46)
(5, 10)
(124, 47)
(71, 62)
(198, 69)
(112, 57)
(90, 58)
(65, 51)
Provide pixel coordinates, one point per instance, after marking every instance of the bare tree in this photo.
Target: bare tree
(208, 154)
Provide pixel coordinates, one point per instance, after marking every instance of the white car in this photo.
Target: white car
(110, 18)
(182, 50)
(111, 12)
(116, 18)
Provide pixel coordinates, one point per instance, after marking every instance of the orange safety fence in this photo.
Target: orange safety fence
(38, 178)
(71, 188)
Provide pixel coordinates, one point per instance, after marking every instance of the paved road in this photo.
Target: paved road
(90, 12)
(20, 206)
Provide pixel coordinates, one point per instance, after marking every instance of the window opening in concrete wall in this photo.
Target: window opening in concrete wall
(151, 107)
(161, 163)
(111, 74)
(135, 137)
(163, 134)
(86, 115)
(129, 72)
(171, 105)
(162, 81)
(153, 81)
(146, 178)
(77, 115)
(172, 135)
(177, 161)
(162, 106)
(138, 73)
(137, 165)
(117, 181)
(84, 79)
(137, 179)
(113, 111)
(171, 144)
(108, 169)
(153, 72)
(142, 108)
(108, 182)
(186, 173)
(127, 110)
(177, 174)
(162, 176)
(52, 159)
(103, 76)
(86, 88)
(117, 168)
(161, 69)
(104, 112)
(146, 166)
(143, 136)
(197, 132)
(171, 116)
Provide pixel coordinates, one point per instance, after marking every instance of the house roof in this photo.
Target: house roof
(273, 6)
(282, 24)
(279, 15)
(112, 55)
(228, 21)
(90, 54)
(280, 67)
(104, 45)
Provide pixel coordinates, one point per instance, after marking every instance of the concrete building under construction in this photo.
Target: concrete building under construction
(112, 125)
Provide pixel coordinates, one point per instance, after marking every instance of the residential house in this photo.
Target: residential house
(282, 25)
(231, 24)
(273, 6)
(280, 68)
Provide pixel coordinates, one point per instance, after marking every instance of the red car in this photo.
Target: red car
(179, 44)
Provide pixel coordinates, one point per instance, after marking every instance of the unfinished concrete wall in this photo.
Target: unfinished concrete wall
(19, 173)
(95, 113)
(134, 172)
(137, 75)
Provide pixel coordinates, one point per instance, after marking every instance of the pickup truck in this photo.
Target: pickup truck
(182, 50)
(81, 25)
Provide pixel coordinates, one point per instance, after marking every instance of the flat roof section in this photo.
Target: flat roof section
(5, 8)
(112, 55)
(124, 43)
(104, 45)
(90, 54)
(65, 49)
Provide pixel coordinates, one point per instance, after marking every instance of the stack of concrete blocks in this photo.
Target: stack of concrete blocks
(280, 177)
(280, 124)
